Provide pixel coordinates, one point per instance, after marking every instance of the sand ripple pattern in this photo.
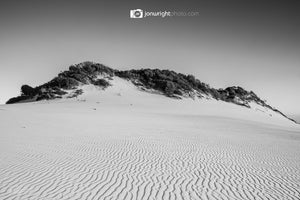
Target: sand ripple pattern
(143, 167)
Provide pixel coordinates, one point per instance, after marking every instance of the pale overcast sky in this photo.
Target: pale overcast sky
(254, 44)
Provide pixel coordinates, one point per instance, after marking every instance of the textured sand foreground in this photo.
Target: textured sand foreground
(123, 144)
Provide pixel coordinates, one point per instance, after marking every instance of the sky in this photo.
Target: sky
(253, 44)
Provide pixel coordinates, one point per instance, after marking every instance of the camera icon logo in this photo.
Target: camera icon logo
(137, 13)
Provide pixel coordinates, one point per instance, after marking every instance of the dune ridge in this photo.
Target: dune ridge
(122, 143)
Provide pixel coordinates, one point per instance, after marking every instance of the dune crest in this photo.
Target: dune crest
(121, 142)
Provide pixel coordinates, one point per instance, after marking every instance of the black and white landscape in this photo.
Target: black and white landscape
(94, 132)
(98, 105)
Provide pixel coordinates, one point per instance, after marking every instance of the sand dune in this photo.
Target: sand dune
(126, 144)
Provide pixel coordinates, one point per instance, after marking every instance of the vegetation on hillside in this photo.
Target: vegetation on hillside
(167, 82)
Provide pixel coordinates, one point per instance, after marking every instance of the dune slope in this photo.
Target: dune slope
(122, 143)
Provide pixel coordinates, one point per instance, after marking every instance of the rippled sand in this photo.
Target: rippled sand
(99, 149)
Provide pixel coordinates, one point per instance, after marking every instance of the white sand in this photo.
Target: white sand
(122, 143)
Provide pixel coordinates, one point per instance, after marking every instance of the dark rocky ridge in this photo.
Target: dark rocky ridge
(169, 83)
